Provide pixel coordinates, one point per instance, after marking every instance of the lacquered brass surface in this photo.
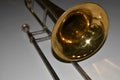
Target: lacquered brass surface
(79, 32)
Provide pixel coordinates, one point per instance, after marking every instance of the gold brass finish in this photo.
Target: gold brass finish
(80, 32)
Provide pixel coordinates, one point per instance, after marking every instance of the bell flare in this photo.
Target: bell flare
(79, 32)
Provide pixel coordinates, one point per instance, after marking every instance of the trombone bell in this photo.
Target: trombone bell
(79, 32)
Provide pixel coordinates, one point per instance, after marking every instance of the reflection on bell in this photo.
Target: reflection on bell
(80, 32)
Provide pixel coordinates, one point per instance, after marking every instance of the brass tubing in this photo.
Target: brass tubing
(36, 17)
(81, 71)
(42, 39)
(25, 28)
(53, 10)
(38, 32)
(94, 23)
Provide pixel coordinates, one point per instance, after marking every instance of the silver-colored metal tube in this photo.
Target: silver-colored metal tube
(42, 39)
(25, 28)
(81, 71)
(38, 32)
(53, 10)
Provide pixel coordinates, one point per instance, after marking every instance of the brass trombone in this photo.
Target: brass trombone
(78, 33)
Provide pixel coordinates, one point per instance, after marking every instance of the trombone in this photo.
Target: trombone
(78, 33)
